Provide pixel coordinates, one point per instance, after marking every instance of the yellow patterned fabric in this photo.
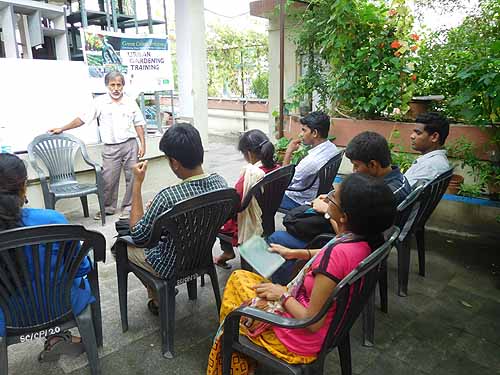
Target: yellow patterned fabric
(238, 290)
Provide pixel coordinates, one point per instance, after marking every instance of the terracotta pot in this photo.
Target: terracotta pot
(454, 185)
(416, 108)
(494, 190)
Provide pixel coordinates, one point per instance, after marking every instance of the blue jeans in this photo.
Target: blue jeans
(288, 203)
(283, 275)
(286, 239)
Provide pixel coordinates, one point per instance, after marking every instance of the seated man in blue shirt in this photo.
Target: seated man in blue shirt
(428, 138)
(315, 128)
(369, 153)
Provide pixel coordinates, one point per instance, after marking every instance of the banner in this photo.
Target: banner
(144, 60)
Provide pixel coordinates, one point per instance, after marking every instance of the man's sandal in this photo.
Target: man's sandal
(64, 345)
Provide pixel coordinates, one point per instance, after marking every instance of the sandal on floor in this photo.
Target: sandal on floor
(153, 306)
(218, 261)
(65, 345)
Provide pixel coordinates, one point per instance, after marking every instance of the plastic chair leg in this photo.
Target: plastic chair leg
(166, 294)
(215, 285)
(86, 329)
(4, 366)
(369, 321)
(101, 208)
(382, 285)
(85, 205)
(403, 266)
(96, 306)
(345, 356)
(420, 236)
(192, 290)
(122, 277)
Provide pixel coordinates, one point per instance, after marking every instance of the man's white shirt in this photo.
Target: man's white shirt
(427, 167)
(117, 120)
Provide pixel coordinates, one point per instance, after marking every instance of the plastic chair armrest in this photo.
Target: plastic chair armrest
(271, 318)
(304, 188)
(127, 240)
(318, 241)
(41, 174)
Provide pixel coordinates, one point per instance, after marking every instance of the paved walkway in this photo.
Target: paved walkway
(449, 324)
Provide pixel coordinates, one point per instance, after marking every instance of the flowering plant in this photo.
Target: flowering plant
(364, 56)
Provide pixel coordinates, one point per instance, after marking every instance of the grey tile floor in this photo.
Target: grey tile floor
(449, 323)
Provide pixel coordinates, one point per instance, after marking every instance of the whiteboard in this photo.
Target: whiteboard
(37, 95)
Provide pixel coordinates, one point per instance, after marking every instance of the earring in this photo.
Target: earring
(25, 200)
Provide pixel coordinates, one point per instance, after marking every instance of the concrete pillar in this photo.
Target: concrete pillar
(291, 68)
(8, 26)
(192, 64)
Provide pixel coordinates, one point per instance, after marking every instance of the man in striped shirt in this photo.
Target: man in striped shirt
(184, 150)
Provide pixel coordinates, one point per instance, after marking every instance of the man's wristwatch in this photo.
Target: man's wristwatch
(284, 297)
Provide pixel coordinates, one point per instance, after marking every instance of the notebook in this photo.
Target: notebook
(255, 252)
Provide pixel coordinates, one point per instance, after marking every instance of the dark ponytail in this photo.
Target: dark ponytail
(13, 178)
(369, 205)
(259, 144)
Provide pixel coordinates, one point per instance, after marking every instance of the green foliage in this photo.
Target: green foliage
(260, 85)
(232, 56)
(483, 172)
(463, 64)
(398, 156)
(364, 56)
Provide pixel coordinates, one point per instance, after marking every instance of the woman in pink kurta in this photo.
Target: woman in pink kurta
(361, 209)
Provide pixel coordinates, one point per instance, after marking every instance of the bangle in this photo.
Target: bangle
(284, 297)
(309, 253)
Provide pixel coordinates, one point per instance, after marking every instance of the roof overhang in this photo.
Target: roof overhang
(266, 8)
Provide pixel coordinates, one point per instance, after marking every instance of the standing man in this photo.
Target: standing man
(120, 123)
(428, 138)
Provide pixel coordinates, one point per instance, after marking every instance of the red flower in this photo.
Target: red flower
(392, 12)
(414, 48)
(414, 37)
(413, 77)
(395, 44)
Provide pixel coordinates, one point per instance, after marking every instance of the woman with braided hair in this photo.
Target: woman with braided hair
(258, 151)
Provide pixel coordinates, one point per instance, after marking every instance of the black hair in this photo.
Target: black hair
(368, 146)
(257, 142)
(182, 142)
(369, 205)
(13, 176)
(435, 122)
(319, 121)
(112, 75)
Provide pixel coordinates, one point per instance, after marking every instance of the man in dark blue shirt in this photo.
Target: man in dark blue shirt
(370, 154)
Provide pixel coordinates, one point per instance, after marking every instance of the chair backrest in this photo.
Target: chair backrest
(407, 211)
(432, 193)
(37, 268)
(352, 293)
(269, 192)
(193, 225)
(57, 152)
(328, 172)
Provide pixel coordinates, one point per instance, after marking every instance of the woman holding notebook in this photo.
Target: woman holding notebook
(258, 151)
(362, 207)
